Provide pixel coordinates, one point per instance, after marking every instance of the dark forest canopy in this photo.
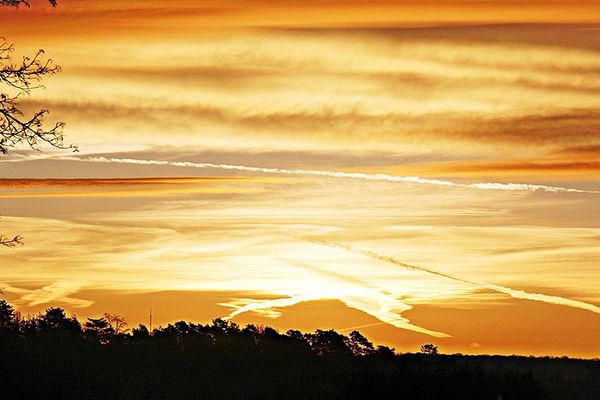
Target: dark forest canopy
(53, 355)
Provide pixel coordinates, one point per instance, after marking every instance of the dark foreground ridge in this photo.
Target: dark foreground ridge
(53, 356)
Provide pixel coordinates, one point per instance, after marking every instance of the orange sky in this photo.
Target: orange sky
(235, 13)
(329, 145)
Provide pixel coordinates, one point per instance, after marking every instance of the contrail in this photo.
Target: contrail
(334, 174)
(355, 327)
(517, 294)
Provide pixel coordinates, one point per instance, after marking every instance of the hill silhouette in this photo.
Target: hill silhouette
(54, 356)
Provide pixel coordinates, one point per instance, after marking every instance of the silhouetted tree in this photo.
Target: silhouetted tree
(19, 79)
(429, 349)
(295, 334)
(105, 329)
(98, 330)
(252, 332)
(55, 319)
(328, 342)
(116, 322)
(7, 314)
(359, 345)
(140, 333)
(384, 351)
(221, 326)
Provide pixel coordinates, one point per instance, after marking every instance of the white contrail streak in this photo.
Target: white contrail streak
(517, 294)
(333, 174)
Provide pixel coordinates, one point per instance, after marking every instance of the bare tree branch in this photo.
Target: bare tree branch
(14, 242)
(26, 75)
(17, 3)
(20, 78)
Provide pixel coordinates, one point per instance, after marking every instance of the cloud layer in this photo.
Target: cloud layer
(371, 126)
(454, 100)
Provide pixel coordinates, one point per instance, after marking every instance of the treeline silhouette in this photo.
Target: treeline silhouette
(54, 356)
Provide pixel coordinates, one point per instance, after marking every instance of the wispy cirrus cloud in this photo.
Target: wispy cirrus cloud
(55, 292)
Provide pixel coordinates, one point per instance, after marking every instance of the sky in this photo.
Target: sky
(420, 171)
